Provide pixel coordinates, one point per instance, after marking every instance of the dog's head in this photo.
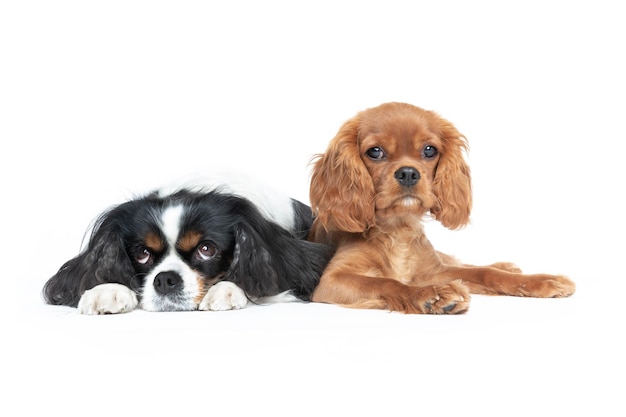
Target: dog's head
(388, 161)
(171, 249)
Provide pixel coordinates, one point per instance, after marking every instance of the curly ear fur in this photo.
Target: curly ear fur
(452, 183)
(104, 260)
(342, 191)
(268, 260)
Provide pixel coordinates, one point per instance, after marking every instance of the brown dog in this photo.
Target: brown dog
(385, 170)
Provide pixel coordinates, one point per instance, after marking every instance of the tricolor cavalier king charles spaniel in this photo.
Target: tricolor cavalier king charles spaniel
(192, 249)
(386, 169)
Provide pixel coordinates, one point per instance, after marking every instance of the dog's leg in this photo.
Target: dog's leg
(452, 261)
(223, 296)
(507, 266)
(107, 299)
(358, 291)
(499, 281)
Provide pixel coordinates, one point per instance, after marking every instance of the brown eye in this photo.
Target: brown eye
(144, 257)
(430, 152)
(205, 251)
(376, 153)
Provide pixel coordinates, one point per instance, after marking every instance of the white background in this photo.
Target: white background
(100, 100)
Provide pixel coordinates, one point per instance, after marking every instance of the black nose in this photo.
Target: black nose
(167, 282)
(407, 176)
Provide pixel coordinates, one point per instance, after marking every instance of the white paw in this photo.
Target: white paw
(223, 296)
(107, 299)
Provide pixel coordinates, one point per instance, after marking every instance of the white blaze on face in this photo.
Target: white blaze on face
(170, 223)
(185, 300)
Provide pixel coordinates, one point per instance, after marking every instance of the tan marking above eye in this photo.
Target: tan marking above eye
(189, 241)
(154, 242)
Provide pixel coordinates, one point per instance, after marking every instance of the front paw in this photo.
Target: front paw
(547, 286)
(453, 298)
(107, 299)
(223, 296)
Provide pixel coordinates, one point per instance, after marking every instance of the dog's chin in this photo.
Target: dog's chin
(404, 205)
(410, 202)
(168, 303)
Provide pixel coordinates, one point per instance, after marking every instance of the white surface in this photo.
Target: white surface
(100, 101)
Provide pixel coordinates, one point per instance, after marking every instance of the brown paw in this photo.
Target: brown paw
(453, 298)
(547, 286)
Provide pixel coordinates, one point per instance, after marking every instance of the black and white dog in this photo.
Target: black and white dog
(193, 248)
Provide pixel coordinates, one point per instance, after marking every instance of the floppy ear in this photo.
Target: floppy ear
(342, 191)
(452, 183)
(268, 260)
(103, 261)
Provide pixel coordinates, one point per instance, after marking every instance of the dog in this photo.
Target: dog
(193, 248)
(386, 169)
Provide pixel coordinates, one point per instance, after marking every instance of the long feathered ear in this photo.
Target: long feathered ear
(104, 260)
(269, 260)
(342, 191)
(452, 183)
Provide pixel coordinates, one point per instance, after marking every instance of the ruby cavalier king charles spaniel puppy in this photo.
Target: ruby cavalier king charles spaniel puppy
(386, 169)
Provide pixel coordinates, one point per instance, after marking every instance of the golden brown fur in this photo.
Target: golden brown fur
(385, 170)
